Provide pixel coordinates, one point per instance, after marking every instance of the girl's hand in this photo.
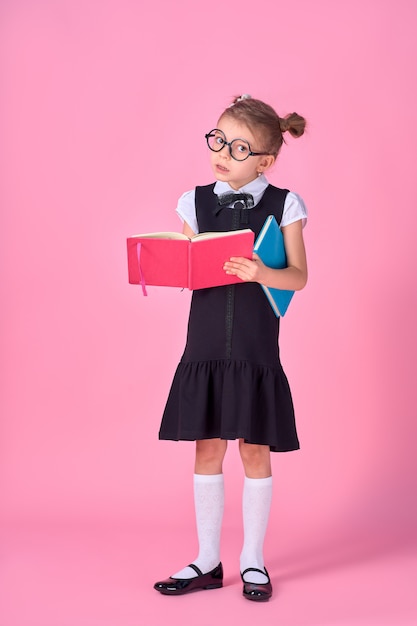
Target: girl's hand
(246, 269)
(292, 277)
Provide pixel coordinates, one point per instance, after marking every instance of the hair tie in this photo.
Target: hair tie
(244, 96)
(284, 124)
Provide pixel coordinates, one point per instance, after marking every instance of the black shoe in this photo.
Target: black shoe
(256, 591)
(179, 586)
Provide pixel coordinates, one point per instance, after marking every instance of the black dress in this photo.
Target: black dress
(230, 383)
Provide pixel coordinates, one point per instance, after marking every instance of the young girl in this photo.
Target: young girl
(230, 383)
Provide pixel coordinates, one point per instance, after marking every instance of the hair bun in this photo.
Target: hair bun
(293, 123)
(284, 124)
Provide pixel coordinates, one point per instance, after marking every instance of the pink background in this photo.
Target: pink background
(94, 509)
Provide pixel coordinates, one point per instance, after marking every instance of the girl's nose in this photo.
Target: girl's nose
(225, 153)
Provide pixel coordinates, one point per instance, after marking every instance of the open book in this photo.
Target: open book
(269, 246)
(174, 260)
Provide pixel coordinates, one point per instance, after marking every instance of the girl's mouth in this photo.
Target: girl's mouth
(221, 168)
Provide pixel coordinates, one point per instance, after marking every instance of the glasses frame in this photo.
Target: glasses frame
(229, 145)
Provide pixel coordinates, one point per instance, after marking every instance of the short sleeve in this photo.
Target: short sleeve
(186, 210)
(294, 210)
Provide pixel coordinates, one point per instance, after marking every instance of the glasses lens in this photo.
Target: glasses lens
(216, 140)
(240, 149)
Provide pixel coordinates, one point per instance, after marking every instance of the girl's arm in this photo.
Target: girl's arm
(187, 230)
(293, 277)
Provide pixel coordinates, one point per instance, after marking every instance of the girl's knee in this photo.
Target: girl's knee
(256, 459)
(209, 456)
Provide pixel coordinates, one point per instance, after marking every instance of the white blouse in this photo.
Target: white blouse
(294, 207)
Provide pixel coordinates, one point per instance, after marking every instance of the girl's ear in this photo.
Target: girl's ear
(265, 163)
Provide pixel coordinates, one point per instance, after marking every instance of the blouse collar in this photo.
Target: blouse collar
(255, 187)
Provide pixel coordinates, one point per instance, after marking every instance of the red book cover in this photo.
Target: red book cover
(174, 260)
(163, 260)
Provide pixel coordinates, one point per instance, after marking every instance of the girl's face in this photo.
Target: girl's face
(227, 169)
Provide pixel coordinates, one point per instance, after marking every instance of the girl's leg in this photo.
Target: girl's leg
(257, 496)
(209, 504)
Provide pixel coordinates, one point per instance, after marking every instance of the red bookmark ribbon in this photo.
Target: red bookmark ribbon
(141, 278)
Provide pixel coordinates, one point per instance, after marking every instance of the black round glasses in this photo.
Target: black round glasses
(239, 148)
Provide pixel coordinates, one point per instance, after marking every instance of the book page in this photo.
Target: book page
(219, 234)
(162, 235)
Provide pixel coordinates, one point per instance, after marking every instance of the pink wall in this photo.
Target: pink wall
(94, 95)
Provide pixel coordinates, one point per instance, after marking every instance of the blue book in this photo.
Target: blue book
(269, 246)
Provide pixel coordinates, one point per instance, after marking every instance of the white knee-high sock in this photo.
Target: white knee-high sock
(256, 505)
(209, 506)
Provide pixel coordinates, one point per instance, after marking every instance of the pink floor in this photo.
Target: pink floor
(92, 575)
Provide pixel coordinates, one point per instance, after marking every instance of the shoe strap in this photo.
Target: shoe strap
(255, 569)
(196, 569)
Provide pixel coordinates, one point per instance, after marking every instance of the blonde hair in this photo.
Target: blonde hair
(263, 120)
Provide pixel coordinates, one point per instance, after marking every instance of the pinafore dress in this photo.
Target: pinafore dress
(230, 383)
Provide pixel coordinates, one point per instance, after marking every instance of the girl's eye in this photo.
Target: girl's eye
(242, 148)
(219, 140)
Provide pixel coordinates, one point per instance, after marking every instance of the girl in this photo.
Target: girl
(230, 383)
